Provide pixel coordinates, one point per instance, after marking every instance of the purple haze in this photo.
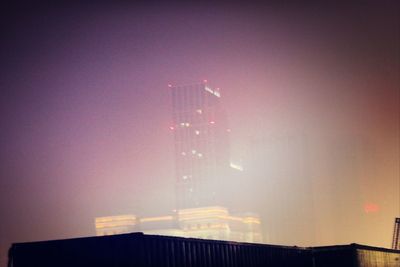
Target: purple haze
(85, 113)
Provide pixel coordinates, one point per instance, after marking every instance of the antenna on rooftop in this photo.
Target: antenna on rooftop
(396, 234)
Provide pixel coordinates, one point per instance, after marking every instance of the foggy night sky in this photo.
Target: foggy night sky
(85, 110)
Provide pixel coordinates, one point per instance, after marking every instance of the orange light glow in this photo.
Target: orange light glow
(371, 208)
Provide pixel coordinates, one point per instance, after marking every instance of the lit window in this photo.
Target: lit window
(214, 92)
(199, 111)
(200, 155)
(197, 132)
(212, 122)
(183, 153)
(236, 166)
(191, 189)
(184, 124)
(193, 151)
(184, 177)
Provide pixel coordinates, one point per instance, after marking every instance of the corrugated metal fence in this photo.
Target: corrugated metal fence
(355, 255)
(158, 251)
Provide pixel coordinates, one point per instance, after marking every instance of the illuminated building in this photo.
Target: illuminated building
(201, 144)
(203, 167)
(216, 223)
(114, 225)
(212, 222)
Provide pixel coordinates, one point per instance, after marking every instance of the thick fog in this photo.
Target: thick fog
(311, 93)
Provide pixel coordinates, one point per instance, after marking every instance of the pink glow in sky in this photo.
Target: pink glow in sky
(311, 93)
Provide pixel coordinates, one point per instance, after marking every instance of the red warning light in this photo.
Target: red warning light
(371, 208)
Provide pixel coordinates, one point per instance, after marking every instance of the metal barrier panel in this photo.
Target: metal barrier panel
(355, 255)
(378, 258)
(334, 256)
(154, 251)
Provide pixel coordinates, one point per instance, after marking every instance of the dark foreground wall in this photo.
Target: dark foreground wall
(355, 255)
(147, 250)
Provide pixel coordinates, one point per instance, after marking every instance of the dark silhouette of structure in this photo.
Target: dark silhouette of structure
(396, 234)
(147, 250)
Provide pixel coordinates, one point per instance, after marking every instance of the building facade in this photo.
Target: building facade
(213, 222)
(204, 176)
(201, 143)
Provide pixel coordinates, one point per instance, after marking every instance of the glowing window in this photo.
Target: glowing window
(199, 111)
(197, 132)
(193, 151)
(183, 153)
(214, 92)
(236, 166)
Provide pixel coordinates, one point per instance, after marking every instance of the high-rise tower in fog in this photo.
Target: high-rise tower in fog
(204, 176)
(201, 144)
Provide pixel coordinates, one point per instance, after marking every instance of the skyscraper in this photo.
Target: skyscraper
(203, 174)
(201, 144)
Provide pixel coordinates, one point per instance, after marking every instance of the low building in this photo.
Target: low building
(212, 222)
(113, 225)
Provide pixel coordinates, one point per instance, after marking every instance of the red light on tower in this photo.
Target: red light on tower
(371, 208)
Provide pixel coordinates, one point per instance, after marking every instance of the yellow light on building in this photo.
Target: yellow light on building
(112, 225)
(212, 222)
(157, 219)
